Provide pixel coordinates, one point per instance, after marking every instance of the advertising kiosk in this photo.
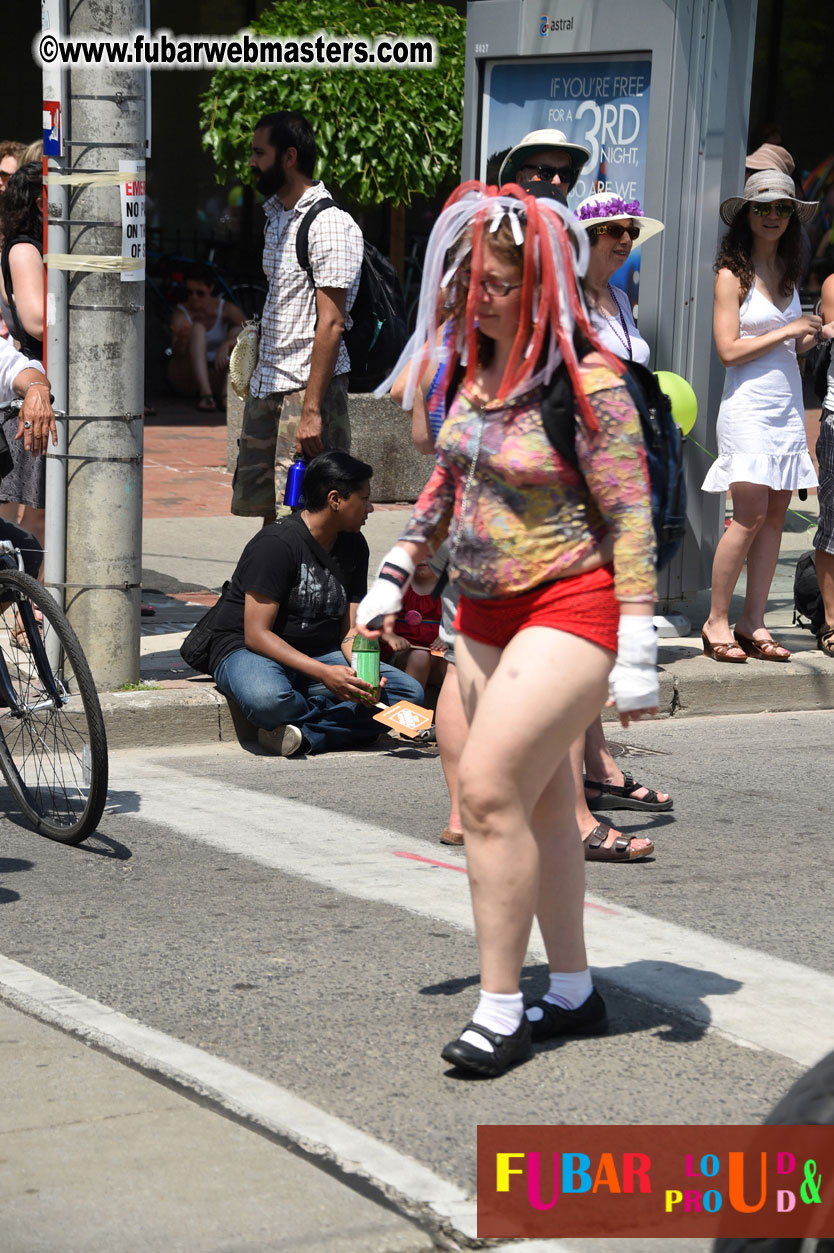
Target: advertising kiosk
(659, 91)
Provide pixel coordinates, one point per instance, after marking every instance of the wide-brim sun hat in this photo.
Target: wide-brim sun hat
(604, 206)
(770, 157)
(534, 142)
(765, 187)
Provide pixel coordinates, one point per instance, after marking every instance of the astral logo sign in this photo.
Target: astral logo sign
(558, 23)
(674, 1181)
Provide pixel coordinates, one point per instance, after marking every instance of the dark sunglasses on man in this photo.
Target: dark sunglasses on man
(547, 173)
(616, 230)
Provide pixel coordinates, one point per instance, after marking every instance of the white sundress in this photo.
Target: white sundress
(761, 422)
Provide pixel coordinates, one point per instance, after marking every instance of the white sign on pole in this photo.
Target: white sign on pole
(133, 218)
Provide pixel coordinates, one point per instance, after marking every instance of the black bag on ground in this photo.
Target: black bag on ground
(663, 444)
(817, 362)
(378, 334)
(807, 598)
(195, 649)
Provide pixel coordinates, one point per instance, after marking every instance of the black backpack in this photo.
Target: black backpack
(378, 334)
(662, 439)
(807, 598)
(817, 362)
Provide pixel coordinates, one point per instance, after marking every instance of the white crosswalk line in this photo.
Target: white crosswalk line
(754, 998)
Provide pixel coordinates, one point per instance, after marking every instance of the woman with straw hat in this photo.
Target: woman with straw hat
(614, 227)
(541, 612)
(763, 457)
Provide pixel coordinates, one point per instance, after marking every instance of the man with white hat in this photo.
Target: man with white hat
(544, 156)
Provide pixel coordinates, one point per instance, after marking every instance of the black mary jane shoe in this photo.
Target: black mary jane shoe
(590, 1018)
(509, 1050)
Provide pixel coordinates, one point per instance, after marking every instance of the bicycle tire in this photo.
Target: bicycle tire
(53, 754)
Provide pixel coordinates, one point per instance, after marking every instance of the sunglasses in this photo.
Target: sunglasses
(491, 286)
(547, 173)
(616, 230)
(782, 210)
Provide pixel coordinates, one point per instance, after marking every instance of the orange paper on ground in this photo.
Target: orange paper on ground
(406, 718)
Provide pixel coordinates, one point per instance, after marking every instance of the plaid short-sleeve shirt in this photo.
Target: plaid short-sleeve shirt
(289, 319)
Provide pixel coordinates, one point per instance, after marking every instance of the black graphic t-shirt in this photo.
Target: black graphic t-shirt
(284, 563)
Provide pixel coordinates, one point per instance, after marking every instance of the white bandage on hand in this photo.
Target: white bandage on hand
(634, 683)
(385, 595)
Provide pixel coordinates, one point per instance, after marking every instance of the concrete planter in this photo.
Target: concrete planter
(381, 436)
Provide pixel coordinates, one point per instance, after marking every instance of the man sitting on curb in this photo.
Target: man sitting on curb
(282, 638)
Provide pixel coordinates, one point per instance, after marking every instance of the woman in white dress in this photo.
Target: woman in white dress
(763, 457)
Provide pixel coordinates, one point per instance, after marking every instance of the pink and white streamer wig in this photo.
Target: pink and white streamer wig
(552, 304)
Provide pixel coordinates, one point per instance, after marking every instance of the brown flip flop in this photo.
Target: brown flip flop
(762, 650)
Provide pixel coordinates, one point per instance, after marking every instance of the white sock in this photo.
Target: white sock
(499, 1012)
(567, 991)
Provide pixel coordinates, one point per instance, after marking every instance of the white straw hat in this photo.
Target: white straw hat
(534, 142)
(604, 206)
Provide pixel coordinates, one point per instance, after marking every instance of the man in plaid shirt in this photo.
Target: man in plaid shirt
(297, 402)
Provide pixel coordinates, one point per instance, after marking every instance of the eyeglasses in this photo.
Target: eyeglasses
(490, 286)
(616, 230)
(547, 173)
(782, 210)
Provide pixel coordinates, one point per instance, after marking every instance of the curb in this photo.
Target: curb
(169, 716)
(689, 687)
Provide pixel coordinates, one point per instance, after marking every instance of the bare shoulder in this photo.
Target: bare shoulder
(727, 284)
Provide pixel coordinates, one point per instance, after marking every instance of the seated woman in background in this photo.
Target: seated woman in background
(203, 333)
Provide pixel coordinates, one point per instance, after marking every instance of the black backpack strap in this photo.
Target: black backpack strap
(302, 245)
(559, 415)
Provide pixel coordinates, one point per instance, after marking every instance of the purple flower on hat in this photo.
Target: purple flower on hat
(611, 208)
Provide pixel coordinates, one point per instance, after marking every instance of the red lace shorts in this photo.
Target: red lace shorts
(583, 604)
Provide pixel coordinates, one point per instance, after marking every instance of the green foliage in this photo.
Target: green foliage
(383, 135)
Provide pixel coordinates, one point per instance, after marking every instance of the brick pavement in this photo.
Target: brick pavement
(185, 472)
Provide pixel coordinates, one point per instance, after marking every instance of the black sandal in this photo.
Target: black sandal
(825, 640)
(509, 1050)
(613, 797)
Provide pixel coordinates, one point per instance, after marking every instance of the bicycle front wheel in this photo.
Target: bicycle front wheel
(53, 747)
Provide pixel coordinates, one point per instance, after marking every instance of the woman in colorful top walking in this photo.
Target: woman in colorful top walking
(549, 563)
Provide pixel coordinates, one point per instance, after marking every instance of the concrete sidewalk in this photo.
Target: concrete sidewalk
(98, 1155)
(192, 543)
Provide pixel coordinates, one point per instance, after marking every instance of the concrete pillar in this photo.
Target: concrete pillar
(106, 338)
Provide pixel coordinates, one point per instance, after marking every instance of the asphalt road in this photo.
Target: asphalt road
(300, 920)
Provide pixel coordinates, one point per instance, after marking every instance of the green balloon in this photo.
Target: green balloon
(684, 401)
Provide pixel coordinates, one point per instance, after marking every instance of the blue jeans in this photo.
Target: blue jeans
(269, 694)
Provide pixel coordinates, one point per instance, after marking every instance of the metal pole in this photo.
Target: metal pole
(106, 359)
(55, 336)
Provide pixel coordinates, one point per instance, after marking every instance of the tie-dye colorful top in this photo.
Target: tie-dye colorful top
(524, 516)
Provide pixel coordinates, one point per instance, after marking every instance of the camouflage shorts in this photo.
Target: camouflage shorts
(266, 448)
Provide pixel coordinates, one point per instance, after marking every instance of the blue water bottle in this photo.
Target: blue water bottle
(295, 476)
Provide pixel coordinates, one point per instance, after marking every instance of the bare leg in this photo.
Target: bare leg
(417, 663)
(601, 766)
(561, 862)
(825, 576)
(526, 706)
(750, 502)
(452, 730)
(761, 564)
(586, 821)
(11, 511)
(198, 356)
